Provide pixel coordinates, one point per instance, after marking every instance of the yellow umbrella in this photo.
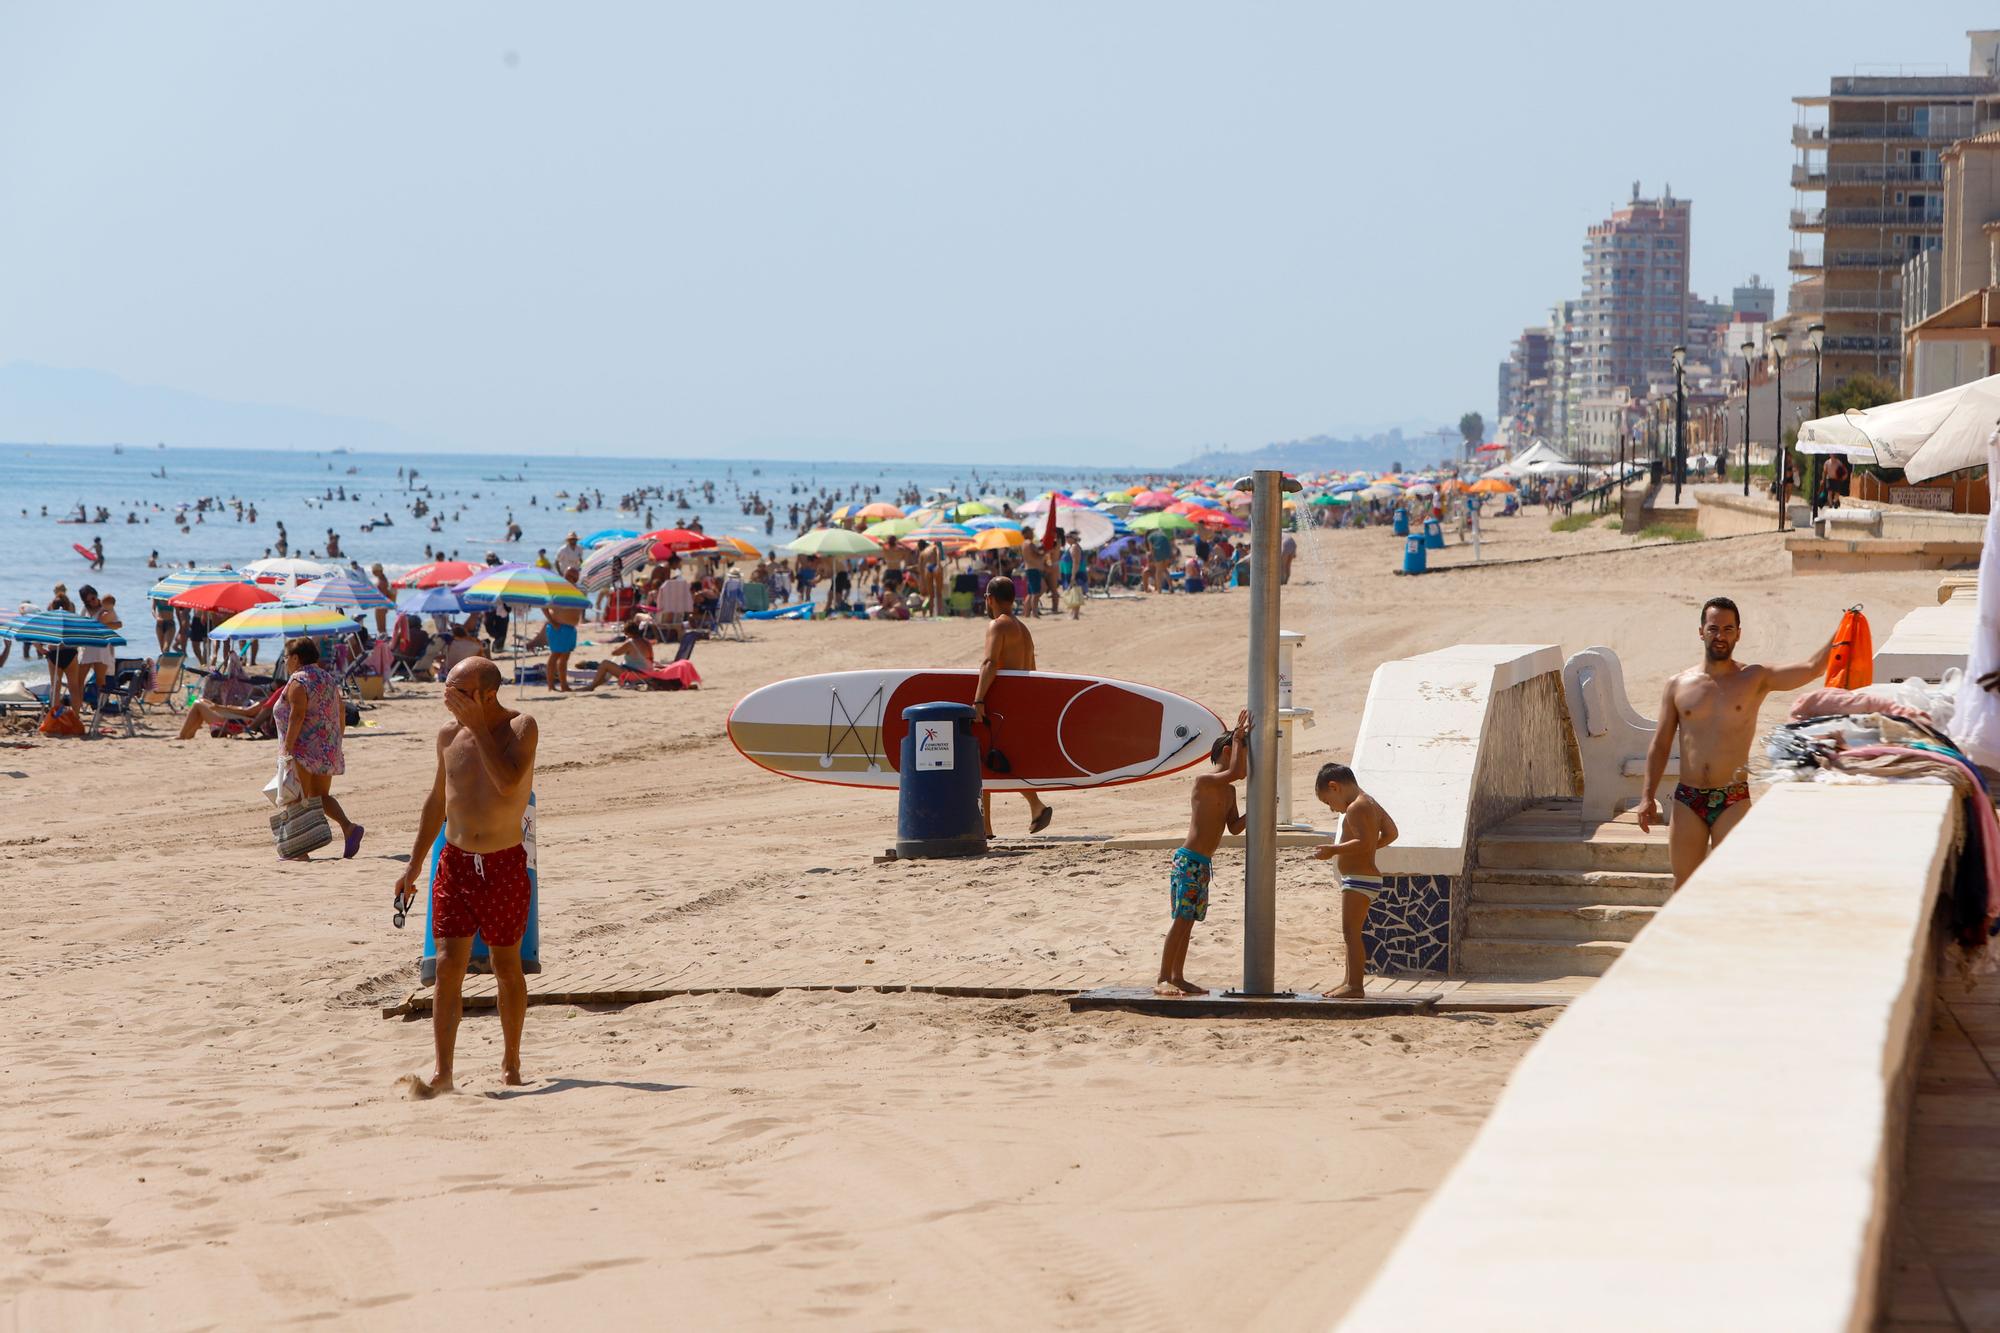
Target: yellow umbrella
(733, 548)
(971, 509)
(1490, 486)
(999, 539)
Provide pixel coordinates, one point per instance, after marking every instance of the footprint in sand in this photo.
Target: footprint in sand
(416, 1089)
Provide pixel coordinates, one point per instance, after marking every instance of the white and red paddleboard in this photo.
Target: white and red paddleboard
(1055, 731)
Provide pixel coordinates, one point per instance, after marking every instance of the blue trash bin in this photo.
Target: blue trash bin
(1401, 522)
(937, 807)
(1414, 559)
(1434, 534)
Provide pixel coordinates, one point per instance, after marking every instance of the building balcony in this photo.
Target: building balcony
(1883, 131)
(1806, 176)
(1820, 219)
(1806, 261)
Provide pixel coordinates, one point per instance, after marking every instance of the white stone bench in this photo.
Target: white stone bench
(1612, 737)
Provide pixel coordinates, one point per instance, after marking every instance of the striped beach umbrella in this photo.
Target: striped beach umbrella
(735, 548)
(522, 587)
(893, 527)
(948, 534)
(63, 628)
(343, 589)
(624, 557)
(183, 579)
(604, 535)
(282, 620)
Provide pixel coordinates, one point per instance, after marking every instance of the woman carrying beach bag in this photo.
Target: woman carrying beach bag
(312, 721)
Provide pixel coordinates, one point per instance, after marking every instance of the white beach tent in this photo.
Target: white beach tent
(1925, 437)
(1928, 437)
(1538, 459)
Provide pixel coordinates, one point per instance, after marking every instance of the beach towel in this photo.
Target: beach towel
(1852, 663)
(1975, 720)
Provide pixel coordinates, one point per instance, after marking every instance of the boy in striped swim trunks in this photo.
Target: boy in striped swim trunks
(1364, 826)
(1213, 809)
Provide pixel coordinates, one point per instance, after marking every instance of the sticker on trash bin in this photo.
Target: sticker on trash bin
(934, 750)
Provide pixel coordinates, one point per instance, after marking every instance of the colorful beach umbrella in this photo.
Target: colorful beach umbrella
(1162, 522)
(735, 548)
(343, 589)
(894, 527)
(230, 597)
(62, 628)
(972, 509)
(522, 587)
(947, 533)
(183, 579)
(677, 541)
(282, 620)
(880, 509)
(603, 535)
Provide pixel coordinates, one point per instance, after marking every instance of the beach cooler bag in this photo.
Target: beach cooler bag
(531, 939)
(1851, 666)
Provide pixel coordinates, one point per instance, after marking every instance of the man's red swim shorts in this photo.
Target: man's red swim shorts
(486, 892)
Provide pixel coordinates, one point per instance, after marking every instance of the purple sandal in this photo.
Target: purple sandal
(353, 842)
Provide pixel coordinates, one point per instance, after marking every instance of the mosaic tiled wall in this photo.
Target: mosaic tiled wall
(1409, 926)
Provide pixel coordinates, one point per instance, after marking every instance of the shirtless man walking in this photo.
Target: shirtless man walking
(1713, 707)
(485, 769)
(561, 638)
(1009, 647)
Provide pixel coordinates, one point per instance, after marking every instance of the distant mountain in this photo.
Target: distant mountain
(1323, 453)
(45, 404)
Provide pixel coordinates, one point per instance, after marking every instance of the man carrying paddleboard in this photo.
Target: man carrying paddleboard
(485, 770)
(1009, 647)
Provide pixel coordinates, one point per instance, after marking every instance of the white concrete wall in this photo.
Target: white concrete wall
(1419, 744)
(1704, 1140)
(1930, 640)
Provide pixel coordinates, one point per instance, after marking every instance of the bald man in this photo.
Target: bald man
(485, 770)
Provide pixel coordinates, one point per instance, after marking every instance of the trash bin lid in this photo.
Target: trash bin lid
(937, 712)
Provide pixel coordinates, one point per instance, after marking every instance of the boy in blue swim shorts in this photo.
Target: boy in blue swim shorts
(561, 634)
(1213, 809)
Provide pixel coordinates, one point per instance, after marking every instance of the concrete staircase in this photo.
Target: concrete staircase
(1554, 896)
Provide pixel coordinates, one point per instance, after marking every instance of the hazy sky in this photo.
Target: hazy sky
(1104, 232)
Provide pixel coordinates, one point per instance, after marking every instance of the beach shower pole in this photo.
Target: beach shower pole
(1260, 848)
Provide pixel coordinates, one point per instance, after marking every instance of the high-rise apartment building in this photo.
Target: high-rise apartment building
(1634, 310)
(1524, 377)
(1869, 158)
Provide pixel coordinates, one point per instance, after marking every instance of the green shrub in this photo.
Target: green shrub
(1572, 523)
(1658, 532)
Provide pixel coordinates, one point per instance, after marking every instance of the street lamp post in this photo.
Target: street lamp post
(1680, 420)
(1749, 350)
(1816, 339)
(1781, 462)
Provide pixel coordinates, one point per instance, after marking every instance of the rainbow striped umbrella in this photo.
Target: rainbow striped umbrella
(948, 533)
(526, 586)
(283, 620)
(343, 589)
(64, 628)
(183, 579)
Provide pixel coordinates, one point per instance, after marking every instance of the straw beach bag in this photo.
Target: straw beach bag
(301, 828)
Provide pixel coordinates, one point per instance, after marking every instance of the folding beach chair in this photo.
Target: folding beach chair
(167, 682)
(121, 695)
(756, 597)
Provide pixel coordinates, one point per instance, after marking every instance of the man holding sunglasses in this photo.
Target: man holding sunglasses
(485, 771)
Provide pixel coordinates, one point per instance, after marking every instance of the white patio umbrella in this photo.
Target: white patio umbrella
(1925, 437)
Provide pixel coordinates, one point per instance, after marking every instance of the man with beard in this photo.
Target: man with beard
(1714, 709)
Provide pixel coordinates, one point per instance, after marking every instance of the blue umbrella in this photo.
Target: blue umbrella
(429, 602)
(604, 535)
(1347, 486)
(63, 628)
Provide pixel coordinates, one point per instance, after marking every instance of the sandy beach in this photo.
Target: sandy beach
(204, 1129)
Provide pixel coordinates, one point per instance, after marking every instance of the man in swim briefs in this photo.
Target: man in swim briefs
(1364, 827)
(1713, 707)
(1009, 647)
(1212, 808)
(485, 770)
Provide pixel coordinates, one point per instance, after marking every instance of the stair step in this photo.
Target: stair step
(1578, 888)
(1555, 922)
(1538, 960)
(1499, 852)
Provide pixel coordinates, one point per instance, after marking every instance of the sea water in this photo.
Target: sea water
(43, 484)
